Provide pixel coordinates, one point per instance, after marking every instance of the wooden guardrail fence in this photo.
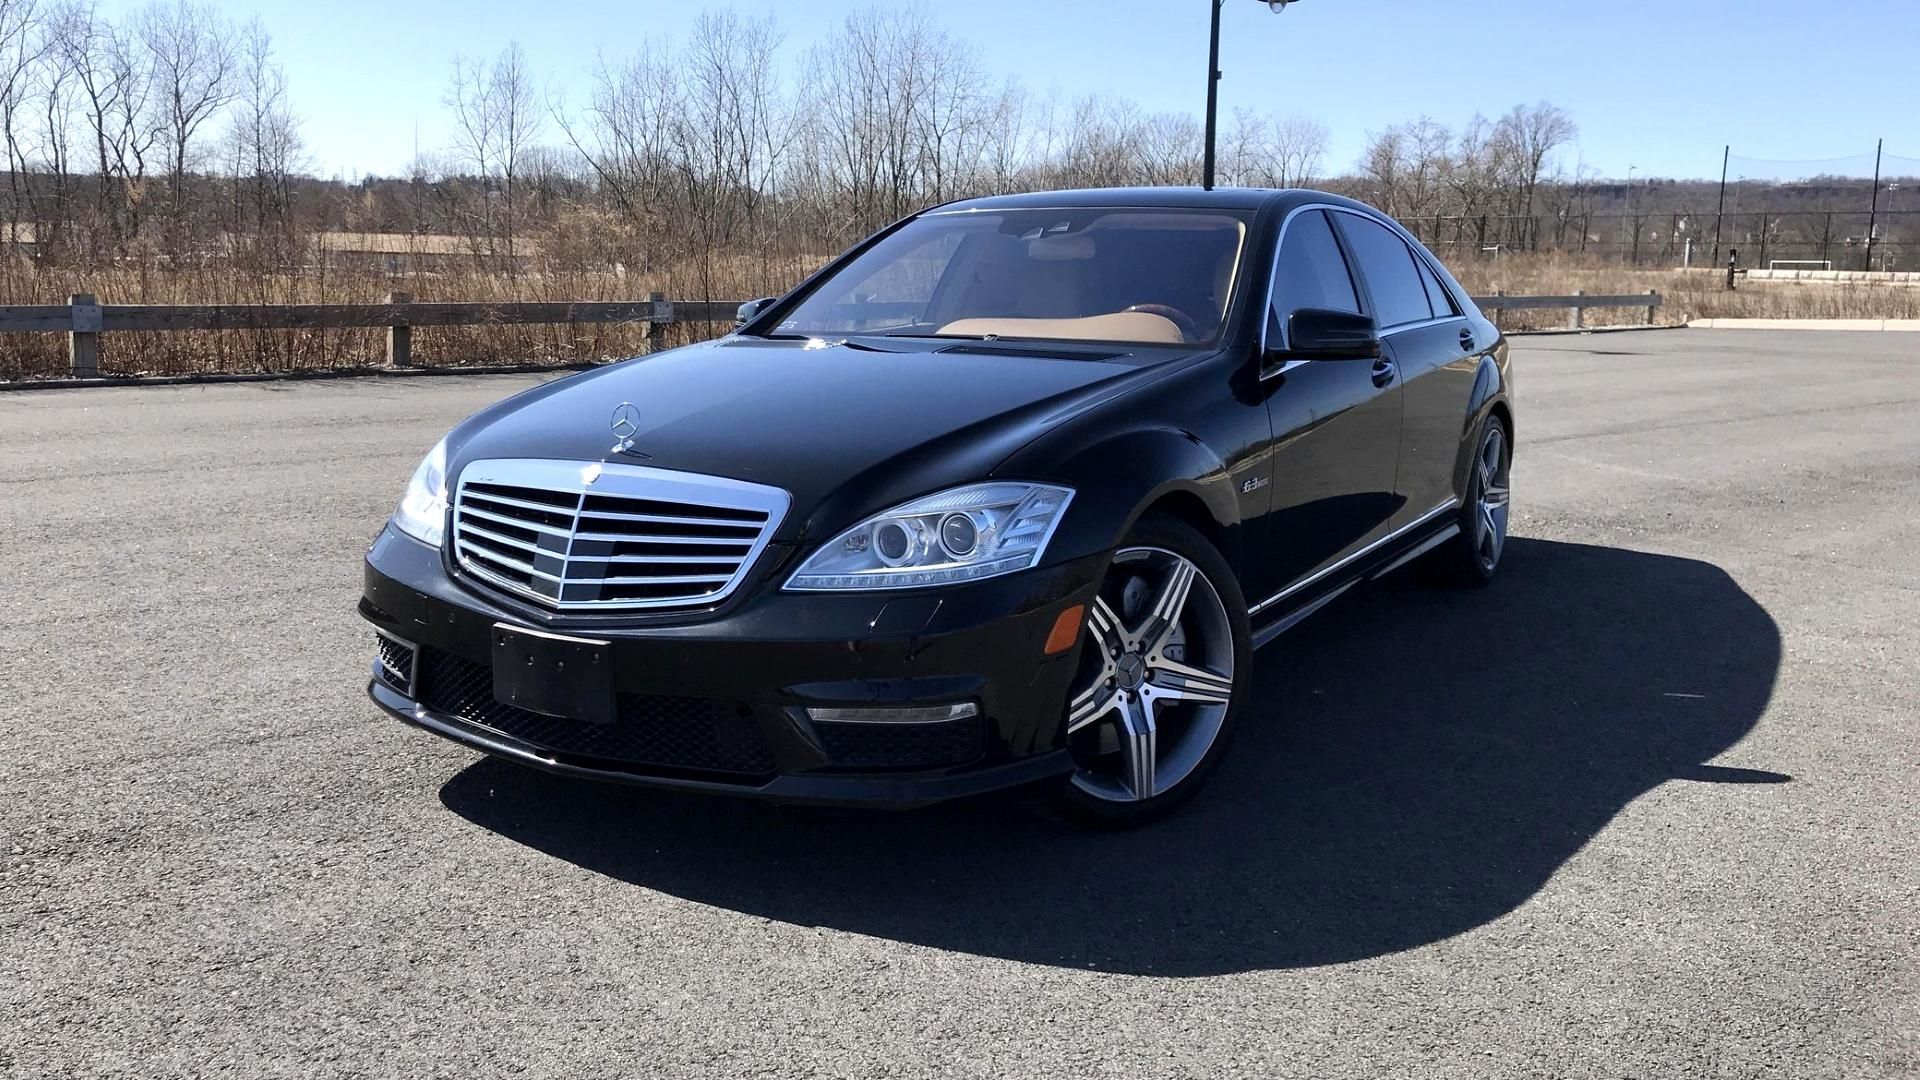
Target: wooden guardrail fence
(1579, 302)
(84, 319)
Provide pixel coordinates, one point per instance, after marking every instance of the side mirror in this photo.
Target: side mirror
(1319, 334)
(746, 312)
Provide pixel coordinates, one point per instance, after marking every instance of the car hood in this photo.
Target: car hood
(845, 430)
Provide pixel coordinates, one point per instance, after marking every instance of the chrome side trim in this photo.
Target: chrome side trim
(1421, 325)
(1447, 507)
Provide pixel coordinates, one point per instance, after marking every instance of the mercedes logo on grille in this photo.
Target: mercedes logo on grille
(626, 425)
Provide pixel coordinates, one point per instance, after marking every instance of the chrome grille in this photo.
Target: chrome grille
(607, 537)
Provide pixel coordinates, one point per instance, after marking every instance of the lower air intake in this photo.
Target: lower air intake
(651, 730)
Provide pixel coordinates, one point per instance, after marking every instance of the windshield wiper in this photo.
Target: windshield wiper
(947, 337)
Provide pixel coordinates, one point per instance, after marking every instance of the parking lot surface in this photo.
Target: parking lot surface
(1645, 807)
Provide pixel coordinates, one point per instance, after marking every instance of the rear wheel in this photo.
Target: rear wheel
(1164, 669)
(1472, 557)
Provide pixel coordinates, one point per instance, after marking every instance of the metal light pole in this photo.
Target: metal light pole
(1213, 83)
(1633, 222)
(1873, 216)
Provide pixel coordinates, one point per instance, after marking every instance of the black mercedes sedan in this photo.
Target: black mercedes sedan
(1006, 495)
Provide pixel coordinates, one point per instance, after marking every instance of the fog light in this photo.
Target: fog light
(915, 714)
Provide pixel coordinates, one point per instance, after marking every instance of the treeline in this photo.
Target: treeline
(719, 161)
(146, 137)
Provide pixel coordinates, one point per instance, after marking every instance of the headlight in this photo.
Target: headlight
(967, 533)
(423, 509)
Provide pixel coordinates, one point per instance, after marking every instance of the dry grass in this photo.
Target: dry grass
(41, 355)
(1686, 295)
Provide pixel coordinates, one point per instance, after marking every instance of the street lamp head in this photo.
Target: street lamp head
(1278, 6)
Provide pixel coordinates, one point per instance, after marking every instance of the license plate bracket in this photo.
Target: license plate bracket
(553, 674)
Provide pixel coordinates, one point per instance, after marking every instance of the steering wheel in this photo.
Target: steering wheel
(1189, 330)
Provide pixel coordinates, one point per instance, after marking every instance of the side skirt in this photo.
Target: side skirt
(1298, 616)
(1419, 549)
(1291, 619)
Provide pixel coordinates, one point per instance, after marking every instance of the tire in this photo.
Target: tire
(1472, 557)
(1184, 681)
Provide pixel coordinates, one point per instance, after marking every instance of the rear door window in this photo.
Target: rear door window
(1387, 265)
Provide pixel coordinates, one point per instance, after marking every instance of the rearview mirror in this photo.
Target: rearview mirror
(1320, 334)
(746, 312)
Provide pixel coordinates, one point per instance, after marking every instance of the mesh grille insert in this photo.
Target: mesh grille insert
(902, 746)
(652, 730)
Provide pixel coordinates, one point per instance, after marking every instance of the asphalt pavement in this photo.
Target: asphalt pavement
(1644, 808)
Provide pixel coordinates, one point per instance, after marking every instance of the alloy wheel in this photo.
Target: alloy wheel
(1494, 494)
(1157, 677)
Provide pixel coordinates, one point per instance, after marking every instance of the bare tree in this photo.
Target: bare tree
(730, 133)
(114, 87)
(1276, 152)
(265, 143)
(623, 136)
(20, 50)
(191, 49)
(1383, 166)
(56, 97)
(1297, 146)
(1473, 175)
(1531, 133)
(497, 118)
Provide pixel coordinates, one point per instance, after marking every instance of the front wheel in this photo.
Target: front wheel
(1164, 670)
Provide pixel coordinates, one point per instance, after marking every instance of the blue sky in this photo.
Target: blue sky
(1655, 84)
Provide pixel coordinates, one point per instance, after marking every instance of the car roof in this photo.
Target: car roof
(1221, 198)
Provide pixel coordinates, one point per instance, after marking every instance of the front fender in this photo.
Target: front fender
(1117, 477)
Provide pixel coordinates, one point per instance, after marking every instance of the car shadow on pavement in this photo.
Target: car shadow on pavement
(1419, 762)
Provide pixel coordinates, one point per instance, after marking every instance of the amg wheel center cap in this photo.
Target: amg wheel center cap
(1131, 671)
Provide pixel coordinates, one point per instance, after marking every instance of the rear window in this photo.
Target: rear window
(1437, 295)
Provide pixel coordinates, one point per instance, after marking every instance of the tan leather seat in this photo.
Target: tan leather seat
(1119, 326)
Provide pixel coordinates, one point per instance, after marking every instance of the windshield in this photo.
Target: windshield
(1158, 276)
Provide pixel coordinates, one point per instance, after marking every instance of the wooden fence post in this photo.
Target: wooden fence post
(399, 334)
(1578, 319)
(83, 339)
(1498, 311)
(655, 323)
(1653, 307)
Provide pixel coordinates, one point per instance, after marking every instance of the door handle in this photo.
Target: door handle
(1466, 340)
(1383, 371)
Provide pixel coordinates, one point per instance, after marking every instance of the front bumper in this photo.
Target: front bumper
(718, 704)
